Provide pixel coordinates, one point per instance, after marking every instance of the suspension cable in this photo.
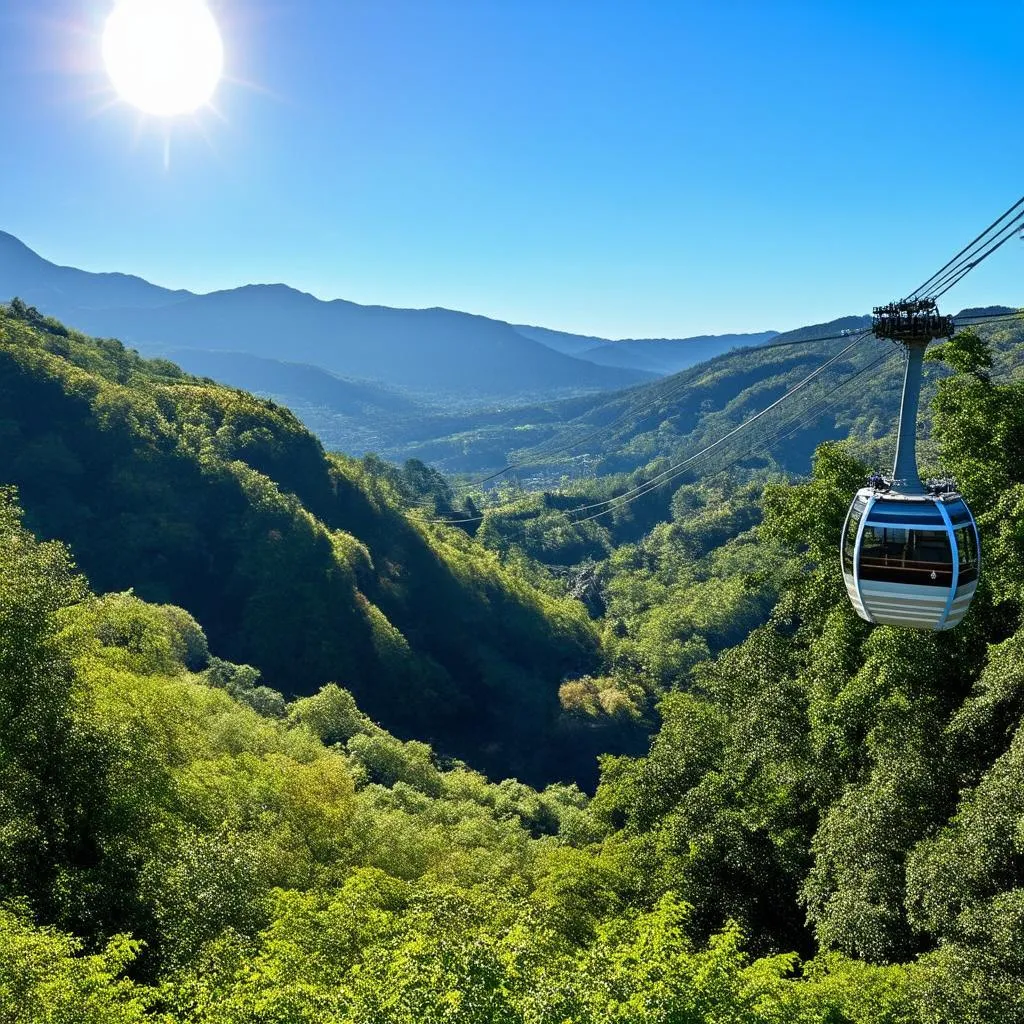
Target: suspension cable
(948, 283)
(958, 258)
(656, 397)
(673, 470)
(949, 275)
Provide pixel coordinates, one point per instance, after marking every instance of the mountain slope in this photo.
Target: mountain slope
(54, 289)
(302, 566)
(561, 341)
(665, 355)
(678, 415)
(623, 429)
(430, 351)
(293, 380)
(347, 416)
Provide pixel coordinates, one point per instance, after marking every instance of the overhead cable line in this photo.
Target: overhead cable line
(984, 321)
(806, 416)
(803, 417)
(997, 234)
(673, 471)
(979, 249)
(954, 277)
(923, 288)
(656, 398)
(660, 398)
(825, 401)
(978, 320)
(539, 451)
(823, 405)
(803, 341)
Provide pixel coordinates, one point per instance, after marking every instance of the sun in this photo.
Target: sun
(163, 56)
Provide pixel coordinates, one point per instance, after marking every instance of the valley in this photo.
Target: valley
(290, 682)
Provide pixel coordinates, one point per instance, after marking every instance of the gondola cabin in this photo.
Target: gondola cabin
(910, 559)
(910, 552)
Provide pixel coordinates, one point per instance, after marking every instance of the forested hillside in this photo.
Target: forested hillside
(827, 827)
(170, 855)
(605, 431)
(298, 564)
(858, 395)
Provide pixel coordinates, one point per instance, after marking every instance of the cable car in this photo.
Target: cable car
(910, 553)
(910, 559)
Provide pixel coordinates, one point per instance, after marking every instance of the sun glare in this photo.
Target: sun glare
(163, 56)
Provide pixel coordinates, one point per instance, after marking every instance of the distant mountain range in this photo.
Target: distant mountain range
(660, 356)
(258, 337)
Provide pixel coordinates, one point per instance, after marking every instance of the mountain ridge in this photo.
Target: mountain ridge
(435, 350)
(660, 355)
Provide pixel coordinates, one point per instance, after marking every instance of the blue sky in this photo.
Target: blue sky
(622, 169)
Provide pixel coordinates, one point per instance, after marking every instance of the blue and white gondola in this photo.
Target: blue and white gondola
(910, 554)
(910, 559)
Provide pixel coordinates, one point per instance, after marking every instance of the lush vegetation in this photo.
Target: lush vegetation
(827, 825)
(300, 565)
(171, 855)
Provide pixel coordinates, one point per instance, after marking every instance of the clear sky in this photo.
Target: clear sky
(637, 168)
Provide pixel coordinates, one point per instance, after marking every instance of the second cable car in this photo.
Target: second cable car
(910, 553)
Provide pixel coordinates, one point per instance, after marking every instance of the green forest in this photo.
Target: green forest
(282, 741)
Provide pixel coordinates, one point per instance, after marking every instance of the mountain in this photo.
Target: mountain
(561, 341)
(665, 355)
(627, 428)
(300, 380)
(439, 354)
(53, 288)
(349, 416)
(654, 355)
(362, 377)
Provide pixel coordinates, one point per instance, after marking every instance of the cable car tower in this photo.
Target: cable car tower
(910, 551)
(914, 324)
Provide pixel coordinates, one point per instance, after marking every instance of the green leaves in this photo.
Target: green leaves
(45, 978)
(966, 352)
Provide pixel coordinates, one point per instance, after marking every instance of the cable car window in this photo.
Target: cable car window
(894, 555)
(850, 539)
(967, 551)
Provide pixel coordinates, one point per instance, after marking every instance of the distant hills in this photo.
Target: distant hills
(462, 392)
(655, 355)
(622, 431)
(253, 373)
(437, 356)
